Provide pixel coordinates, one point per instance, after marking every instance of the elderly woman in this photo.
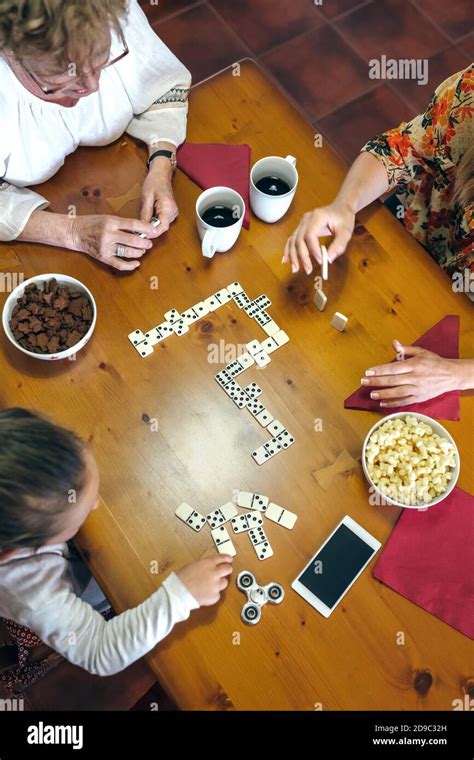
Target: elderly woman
(429, 161)
(81, 72)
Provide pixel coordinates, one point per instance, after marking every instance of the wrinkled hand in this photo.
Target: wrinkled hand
(408, 381)
(336, 219)
(206, 578)
(98, 236)
(158, 199)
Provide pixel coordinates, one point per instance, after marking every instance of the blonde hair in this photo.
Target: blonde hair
(464, 182)
(61, 31)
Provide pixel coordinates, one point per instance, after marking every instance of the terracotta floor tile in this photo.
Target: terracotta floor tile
(262, 24)
(455, 17)
(320, 71)
(440, 67)
(394, 28)
(159, 10)
(201, 41)
(349, 128)
(333, 8)
(467, 45)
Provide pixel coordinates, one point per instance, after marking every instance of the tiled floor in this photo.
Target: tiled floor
(319, 52)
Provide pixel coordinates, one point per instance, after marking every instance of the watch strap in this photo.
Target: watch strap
(166, 153)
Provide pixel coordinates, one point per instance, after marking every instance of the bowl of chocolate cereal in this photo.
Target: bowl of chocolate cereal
(50, 316)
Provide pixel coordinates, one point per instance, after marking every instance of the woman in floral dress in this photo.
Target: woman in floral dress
(429, 162)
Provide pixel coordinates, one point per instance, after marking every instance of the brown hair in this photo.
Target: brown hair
(464, 182)
(41, 464)
(62, 31)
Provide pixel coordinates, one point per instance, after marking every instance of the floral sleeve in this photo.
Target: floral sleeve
(421, 158)
(411, 148)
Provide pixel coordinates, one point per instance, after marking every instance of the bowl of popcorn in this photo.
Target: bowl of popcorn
(50, 316)
(410, 460)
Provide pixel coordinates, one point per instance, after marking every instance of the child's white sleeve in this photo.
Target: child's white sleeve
(74, 629)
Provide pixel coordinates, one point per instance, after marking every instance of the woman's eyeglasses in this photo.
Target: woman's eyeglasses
(50, 89)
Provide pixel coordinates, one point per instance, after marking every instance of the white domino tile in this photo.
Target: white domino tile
(223, 541)
(136, 337)
(282, 516)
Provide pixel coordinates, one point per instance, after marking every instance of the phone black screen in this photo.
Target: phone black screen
(336, 565)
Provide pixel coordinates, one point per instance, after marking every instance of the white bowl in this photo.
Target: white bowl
(437, 428)
(62, 279)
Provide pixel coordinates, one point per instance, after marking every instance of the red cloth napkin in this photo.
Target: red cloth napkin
(429, 560)
(443, 339)
(211, 164)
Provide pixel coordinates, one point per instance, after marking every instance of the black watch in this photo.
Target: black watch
(167, 154)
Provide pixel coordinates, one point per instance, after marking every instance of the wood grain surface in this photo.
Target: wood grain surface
(388, 287)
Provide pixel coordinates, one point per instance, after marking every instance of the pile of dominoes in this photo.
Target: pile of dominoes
(250, 522)
(257, 353)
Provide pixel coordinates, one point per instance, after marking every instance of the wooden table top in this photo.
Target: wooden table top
(388, 287)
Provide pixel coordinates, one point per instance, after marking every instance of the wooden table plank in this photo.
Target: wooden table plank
(387, 286)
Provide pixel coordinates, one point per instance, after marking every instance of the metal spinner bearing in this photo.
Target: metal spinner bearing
(257, 596)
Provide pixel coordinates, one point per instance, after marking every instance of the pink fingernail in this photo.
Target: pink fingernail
(382, 403)
(364, 381)
(374, 394)
(369, 372)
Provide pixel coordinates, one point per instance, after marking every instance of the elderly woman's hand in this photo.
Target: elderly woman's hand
(158, 197)
(99, 236)
(423, 376)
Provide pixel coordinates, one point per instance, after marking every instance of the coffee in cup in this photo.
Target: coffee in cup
(219, 216)
(273, 185)
(273, 182)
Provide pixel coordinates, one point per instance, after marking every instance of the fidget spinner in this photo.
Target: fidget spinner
(257, 596)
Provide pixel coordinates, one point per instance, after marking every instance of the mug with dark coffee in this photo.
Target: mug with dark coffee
(219, 215)
(272, 185)
(273, 182)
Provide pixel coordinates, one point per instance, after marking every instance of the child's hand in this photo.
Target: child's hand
(206, 578)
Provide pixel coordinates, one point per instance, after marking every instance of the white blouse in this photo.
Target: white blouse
(144, 94)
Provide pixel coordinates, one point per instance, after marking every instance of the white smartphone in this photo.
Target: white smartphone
(336, 566)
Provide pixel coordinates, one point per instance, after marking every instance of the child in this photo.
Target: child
(41, 581)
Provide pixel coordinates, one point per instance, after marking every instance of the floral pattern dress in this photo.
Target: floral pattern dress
(420, 157)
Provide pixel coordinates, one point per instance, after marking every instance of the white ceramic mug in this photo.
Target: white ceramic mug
(270, 208)
(219, 239)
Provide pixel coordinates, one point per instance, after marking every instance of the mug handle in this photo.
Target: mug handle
(208, 248)
(291, 160)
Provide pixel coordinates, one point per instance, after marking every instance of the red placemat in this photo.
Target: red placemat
(443, 339)
(429, 559)
(211, 164)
